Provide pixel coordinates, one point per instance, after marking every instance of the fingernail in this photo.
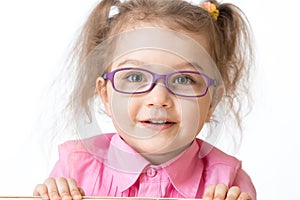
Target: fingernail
(77, 197)
(66, 197)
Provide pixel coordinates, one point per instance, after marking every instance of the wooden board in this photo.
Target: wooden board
(88, 198)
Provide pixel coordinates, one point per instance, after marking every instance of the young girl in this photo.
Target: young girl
(160, 68)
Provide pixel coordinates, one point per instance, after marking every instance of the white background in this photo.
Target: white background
(35, 36)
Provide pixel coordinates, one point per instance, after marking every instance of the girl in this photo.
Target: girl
(161, 69)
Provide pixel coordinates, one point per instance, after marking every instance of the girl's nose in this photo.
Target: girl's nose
(159, 96)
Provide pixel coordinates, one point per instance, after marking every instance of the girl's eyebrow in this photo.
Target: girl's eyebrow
(188, 65)
(133, 62)
(177, 66)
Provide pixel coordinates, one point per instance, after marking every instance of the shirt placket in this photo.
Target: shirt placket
(152, 182)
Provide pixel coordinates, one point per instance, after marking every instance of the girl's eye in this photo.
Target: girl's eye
(136, 77)
(183, 80)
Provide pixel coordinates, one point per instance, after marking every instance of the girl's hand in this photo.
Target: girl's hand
(60, 188)
(222, 192)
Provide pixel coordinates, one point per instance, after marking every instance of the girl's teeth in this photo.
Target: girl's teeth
(157, 122)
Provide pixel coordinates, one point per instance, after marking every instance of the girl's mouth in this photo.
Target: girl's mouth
(158, 124)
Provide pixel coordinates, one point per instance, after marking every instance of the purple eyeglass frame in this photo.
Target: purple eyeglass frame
(110, 76)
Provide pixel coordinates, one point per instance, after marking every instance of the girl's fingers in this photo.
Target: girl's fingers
(75, 191)
(220, 191)
(59, 189)
(244, 196)
(81, 191)
(63, 188)
(41, 190)
(53, 192)
(215, 192)
(233, 193)
(209, 192)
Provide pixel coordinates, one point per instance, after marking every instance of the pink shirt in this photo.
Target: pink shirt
(105, 165)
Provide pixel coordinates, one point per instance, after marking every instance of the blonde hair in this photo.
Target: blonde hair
(229, 40)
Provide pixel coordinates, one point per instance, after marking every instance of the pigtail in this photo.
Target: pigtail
(234, 57)
(83, 61)
(96, 28)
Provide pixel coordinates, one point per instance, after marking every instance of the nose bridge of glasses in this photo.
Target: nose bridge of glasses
(157, 77)
(160, 80)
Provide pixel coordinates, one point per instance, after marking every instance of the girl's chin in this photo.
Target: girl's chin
(159, 148)
(156, 142)
(158, 157)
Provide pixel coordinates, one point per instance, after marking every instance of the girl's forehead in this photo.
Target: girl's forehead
(157, 45)
(152, 37)
(163, 33)
(152, 57)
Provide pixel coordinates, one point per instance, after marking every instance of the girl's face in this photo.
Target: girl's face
(156, 122)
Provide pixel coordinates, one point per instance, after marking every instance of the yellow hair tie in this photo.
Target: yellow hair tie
(211, 8)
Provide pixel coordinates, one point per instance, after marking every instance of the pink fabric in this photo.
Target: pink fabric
(105, 165)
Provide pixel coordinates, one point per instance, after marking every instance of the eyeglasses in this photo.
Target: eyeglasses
(138, 80)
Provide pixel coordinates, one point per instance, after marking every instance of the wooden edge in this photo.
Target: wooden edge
(90, 198)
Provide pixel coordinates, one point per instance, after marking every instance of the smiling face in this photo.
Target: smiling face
(156, 122)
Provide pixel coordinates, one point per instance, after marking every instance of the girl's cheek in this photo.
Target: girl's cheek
(133, 105)
(124, 110)
(193, 114)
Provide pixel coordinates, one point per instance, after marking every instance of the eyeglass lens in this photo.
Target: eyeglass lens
(187, 83)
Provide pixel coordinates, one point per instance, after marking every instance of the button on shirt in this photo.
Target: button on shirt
(151, 172)
(105, 165)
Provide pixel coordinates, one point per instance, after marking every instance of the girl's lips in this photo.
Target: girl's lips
(157, 124)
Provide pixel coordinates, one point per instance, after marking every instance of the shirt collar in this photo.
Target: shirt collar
(127, 163)
(184, 171)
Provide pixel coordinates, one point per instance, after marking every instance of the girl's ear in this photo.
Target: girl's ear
(102, 92)
(217, 96)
